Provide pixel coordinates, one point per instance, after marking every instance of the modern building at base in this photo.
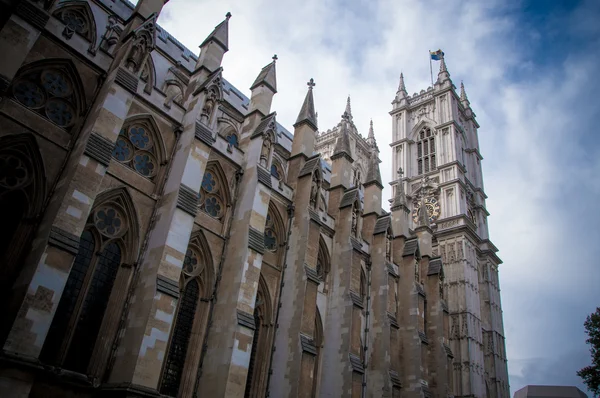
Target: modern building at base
(549, 392)
(165, 236)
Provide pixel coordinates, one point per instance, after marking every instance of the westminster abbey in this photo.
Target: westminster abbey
(163, 235)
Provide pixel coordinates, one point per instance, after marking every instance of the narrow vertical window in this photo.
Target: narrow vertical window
(426, 152)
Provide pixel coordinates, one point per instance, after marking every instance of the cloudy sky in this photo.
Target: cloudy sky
(532, 73)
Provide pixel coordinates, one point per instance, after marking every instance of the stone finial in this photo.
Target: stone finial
(443, 75)
(373, 172)
(307, 112)
(267, 76)
(443, 67)
(400, 196)
(348, 111)
(220, 34)
(342, 145)
(371, 137)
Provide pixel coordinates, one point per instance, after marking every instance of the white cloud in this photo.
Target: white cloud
(541, 163)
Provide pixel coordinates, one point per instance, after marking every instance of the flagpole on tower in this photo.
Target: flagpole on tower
(430, 69)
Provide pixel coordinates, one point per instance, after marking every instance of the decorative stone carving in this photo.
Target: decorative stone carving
(265, 152)
(314, 191)
(144, 39)
(354, 221)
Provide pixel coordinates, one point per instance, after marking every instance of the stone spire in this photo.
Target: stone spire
(214, 47)
(401, 87)
(263, 89)
(307, 112)
(443, 74)
(373, 172)
(463, 96)
(342, 145)
(220, 35)
(371, 137)
(267, 76)
(400, 196)
(348, 110)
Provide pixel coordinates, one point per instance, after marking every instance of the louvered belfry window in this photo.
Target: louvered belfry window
(180, 339)
(426, 161)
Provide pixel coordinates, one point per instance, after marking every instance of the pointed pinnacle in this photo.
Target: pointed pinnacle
(348, 111)
(267, 76)
(373, 172)
(400, 196)
(220, 34)
(401, 86)
(371, 132)
(307, 112)
(463, 93)
(443, 67)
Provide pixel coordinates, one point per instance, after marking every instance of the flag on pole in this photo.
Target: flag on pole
(436, 55)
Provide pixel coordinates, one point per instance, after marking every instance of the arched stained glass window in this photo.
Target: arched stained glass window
(93, 309)
(77, 19)
(68, 300)
(211, 194)
(49, 92)
(275, 171)
(136, 148)
(180, 338)
(80, 315)
(426, 151)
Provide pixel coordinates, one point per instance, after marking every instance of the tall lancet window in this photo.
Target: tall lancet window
(426, 151)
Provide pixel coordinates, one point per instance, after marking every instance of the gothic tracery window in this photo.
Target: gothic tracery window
(85, 300)
(49, 92)
(194, 280)
(211, 197)
(276, 170)
(426, 151)
(77, 19)
(136, 147)
(270, 234)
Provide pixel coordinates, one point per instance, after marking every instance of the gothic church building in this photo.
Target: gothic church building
(163, 235)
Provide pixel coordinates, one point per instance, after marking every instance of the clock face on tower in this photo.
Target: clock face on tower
(433, 209)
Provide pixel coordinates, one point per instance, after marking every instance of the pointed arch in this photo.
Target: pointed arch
(78, 18)
(89, 309)
(261, 342)
(274, 229)
(215, 196)
(198, 241)
(22, 195)
(148, 74)
(319, 341)
(174, 90)
(323, 263)
(52, 88)
(140, 146)
(229, 131)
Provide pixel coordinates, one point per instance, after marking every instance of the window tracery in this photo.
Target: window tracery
(276, 170)
(426, 151)
(270, 234)
(77, 19)
(211, 194)
(136, 147)
(50, 93)
(104, 245)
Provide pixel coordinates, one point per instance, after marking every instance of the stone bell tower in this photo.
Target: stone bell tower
(435, 145)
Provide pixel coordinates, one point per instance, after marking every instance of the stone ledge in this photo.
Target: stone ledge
(308, 344)
(356, 299)
(167, 286)
(99, 148)
(356, 363)
(64, 240)
(311, 274)
(245, 319)
(204, 134)
(264, 176)
(256, 240)
(187, 200)
(127, 80)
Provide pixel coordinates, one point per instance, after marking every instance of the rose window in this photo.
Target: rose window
(48, 92)
(191, 264)
(109, 221)
(135, 148)
(13, 173)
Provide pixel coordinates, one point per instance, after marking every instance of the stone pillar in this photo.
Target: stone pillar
(293, 360)
(143, 347)
(439, 352)
(411, 297)
(379, 335)
(227, 358)
(342, 363)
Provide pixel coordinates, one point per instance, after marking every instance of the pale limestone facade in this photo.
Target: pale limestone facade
(164, 235)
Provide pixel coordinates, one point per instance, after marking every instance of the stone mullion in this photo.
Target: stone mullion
(379, 344)
(54, 260)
